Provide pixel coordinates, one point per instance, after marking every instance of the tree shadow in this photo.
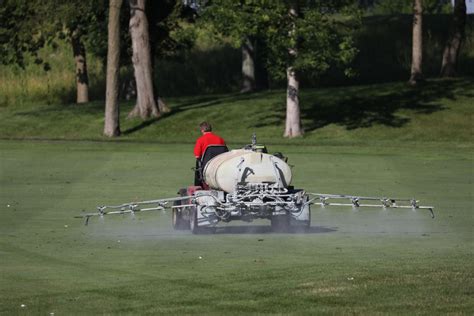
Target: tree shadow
(207, 101)
(195, 103)
(141, 126)
(350, 107)
(366, 106)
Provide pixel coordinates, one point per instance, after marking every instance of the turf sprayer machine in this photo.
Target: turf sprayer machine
(247, 184)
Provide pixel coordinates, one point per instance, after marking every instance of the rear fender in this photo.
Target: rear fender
(206, 207)
(303, 214)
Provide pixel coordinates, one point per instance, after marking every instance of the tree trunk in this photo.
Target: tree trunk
(417, 44)
(112, 110)
(82, 78)
(146, 106)
(293, 119)
(248, 66)
(261, 71)
(456, 37)
(152, 15)
(162, 106)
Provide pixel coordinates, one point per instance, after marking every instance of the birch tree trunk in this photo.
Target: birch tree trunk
(112, 110)
(293, 119)
(417, 44)
(146, 106)
(248, 66)
(82, 78)
(456, 37)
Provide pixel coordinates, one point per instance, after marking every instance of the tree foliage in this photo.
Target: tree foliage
(387, 7)
(20, 34)
(169, 34)
(28, 25)
(322, 32)
(238, 20)
(322, 35)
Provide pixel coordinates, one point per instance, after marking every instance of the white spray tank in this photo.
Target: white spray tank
(248, 165)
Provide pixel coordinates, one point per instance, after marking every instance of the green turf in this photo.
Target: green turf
(365, 262)
(439, 112)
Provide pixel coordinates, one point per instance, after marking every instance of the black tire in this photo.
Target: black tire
(307, 224)
(193, 224)
(280, 223)
(177, 219)
(301, 227)
(193, 221)
(179, 223)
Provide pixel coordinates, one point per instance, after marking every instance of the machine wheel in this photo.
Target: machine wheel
(305, 225)
(301, 222)
(193, 221)
(280, 223)
(179, 223)
(302, 226)
(193, 224)
(177, 218)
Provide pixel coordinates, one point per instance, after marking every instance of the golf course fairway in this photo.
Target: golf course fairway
(365, 261)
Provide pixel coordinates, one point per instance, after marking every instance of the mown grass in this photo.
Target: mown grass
(385, 139)
(363, 262)
(438, 111)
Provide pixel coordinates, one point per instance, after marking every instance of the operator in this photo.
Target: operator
(208, 138)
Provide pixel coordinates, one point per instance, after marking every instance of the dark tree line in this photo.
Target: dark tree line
(452, 46)
(456, 37)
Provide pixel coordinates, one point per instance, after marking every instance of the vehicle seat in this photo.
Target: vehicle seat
(212, 151)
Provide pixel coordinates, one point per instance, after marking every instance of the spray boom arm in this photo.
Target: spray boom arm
(357, 201)
(131, 208)
(314, 198)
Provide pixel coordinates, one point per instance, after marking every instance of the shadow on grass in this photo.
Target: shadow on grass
(195, 103)
(261, 229)
(351, 107)
(365, 106)
(141, 126)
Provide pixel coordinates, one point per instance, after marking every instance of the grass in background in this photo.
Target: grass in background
(33, 85)
(439, 111)
(365, 262)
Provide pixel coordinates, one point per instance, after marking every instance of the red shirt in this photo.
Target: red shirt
(205, 140)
